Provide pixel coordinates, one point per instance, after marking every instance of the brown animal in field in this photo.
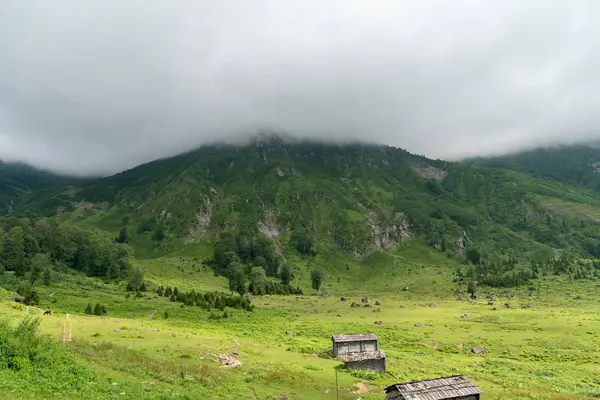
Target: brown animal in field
(49, 312)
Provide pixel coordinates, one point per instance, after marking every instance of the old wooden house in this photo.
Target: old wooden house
(452, 387)
(344, 344)
(359, 351)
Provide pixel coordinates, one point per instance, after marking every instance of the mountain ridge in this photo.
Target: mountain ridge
(355, 198)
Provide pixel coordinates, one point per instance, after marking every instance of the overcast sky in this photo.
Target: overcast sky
(98, 86)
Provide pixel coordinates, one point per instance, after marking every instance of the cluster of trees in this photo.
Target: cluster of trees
(251, 265)
(98, 309)
(505, 273)
(207, 300)
(33, 247)
(568, 264)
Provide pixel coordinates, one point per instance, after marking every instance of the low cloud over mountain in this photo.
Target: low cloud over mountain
(95, 87)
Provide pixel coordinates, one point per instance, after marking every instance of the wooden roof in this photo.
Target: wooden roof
(435, 389)
(364, 355)
(354, 338)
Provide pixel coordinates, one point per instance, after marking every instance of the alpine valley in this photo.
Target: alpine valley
(222, 273)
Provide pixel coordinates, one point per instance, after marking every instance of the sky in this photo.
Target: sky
(99, 86)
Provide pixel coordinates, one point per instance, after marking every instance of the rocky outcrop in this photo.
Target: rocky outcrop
(426, 171)
(386, 230)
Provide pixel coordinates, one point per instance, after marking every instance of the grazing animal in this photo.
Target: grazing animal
(49, 312)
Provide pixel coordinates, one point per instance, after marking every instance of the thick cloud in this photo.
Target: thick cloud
(99, 86)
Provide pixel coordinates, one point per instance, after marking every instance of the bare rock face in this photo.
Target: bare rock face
(478, 350)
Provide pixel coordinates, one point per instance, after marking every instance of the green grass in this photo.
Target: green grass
(549, 351)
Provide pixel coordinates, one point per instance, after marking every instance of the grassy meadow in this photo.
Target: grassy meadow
(152, 348)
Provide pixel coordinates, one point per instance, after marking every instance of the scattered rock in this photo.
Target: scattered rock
(460, 346)
(367, 305)
(466, 316)
(478, 350)
(282, 397)
(117, 331)
(226, 360)
(405, 289)
(289, 333)
(324, 295)
(506, 305)
(365, 300)
(433, 305)
(354, 304)
(526, 306)
(344, 299)
(401, 306)
(377, 303)
(377, 310)
(418, 325)
(338, 315)
(379, 322)
(457, 291)
(495, 309)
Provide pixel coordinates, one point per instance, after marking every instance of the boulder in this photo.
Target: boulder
(377, 303)
(405, 289)
(378, 322)
(344, 299)
(478, 350)
(354, 304)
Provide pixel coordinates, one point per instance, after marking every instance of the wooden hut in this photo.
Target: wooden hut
(345, 344)
(452, 387)
(359, 351)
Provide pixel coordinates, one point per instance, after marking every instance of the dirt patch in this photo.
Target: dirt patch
(361, 388)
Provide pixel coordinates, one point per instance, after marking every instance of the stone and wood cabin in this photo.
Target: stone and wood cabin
(452, 387)
(359, 351)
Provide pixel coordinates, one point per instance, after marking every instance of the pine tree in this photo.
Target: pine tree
(14, 251)
(285, 274)
(47, 277)
(88, 309)
(98, 309)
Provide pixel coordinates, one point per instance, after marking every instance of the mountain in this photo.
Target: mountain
(576, 164)
(17, 179)
(354, 198)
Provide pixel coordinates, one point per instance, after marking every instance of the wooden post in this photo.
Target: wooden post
(337, 388)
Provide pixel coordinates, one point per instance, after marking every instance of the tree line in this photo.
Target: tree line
(207, 300)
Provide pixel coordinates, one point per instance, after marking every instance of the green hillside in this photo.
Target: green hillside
(18, 179)
(354, 198)
(255, 253)
(576, 164)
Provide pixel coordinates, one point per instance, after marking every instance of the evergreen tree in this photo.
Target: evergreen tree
(47, 277)
(38, 264)
(98, 309)
(122, 238)
(14, 251)
(285, 274)
(316, 277)
(237, 278)
(88, 309)
(472, 288)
